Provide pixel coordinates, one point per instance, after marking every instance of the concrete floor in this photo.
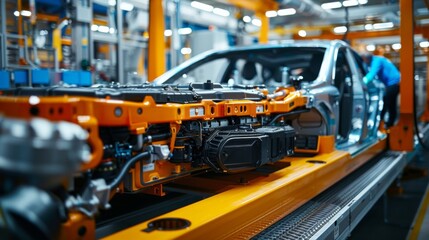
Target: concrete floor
(398, 209)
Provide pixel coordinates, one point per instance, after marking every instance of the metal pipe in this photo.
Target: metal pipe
(3, 50)
(120, 54)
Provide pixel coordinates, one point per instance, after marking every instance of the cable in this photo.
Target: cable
(115, 182)
(287, 114)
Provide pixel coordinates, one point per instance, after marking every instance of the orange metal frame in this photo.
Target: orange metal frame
(402, 135)
(242, 210)
(92, 113)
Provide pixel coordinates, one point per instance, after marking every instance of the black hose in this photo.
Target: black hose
(287, 114)
(115, 182)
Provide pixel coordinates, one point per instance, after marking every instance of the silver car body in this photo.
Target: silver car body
(343, 105)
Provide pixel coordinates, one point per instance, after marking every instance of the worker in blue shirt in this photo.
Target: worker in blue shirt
(389, 75)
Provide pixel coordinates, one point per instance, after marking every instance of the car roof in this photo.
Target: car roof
(237, 49)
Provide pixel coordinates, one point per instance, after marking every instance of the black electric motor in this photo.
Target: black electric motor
(246, 148)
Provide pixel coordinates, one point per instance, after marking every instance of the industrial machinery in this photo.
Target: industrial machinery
(142, 136)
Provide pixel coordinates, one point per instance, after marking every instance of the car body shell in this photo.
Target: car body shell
(343, 105)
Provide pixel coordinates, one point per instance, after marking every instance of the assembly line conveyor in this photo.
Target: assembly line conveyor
(337, 211)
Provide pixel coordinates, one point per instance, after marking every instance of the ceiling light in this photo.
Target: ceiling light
(271, 13)
(383, 25)
(331, 5)
(221, 12)
(247, 19)
(103, 29)
(112, 2)
(302, 33)
(423, 11)
(286, 11)
(423, 21)
(350, 3)
(184, 31)
(127, 6)
(368, 26)
(362, 2)
(340, 29)
(202, 6)
(186, 50)
(396, 46)
(94, 27)
(370, 48)
(16, 13)
(25, 13)
(111, 30)
(168, 33)
(424, 44)
(256, 22)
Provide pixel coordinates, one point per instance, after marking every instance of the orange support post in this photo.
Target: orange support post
(402, 135)
(265, 27)
(156, 59)
(20, 32)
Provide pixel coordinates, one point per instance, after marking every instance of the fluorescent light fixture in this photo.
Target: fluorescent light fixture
(362, 2)
(221, 12)
(94, 27)
(271, 13)
(302, 33)
(424, 44)
(16, 13)
(168, 33)
(424, 21)
(186, 50)
(340, 29)
(370, 48)
(256, 22)
(247, 19)
(202, 6)
(25, 13)
(383, 25)
(103, 29)
(350, 3)
(396, 46)
(368, 26)
(184, 31)
(423, 11)
(112, 2)
(111, 30)
(331, 5)
(127, 6)
(286, 11)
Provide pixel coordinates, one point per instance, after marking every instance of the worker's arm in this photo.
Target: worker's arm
(375, 67)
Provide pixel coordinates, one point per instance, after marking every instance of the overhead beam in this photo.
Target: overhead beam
(351, 35)
(255, 5)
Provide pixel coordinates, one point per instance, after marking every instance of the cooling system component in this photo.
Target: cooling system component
(246, 148)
